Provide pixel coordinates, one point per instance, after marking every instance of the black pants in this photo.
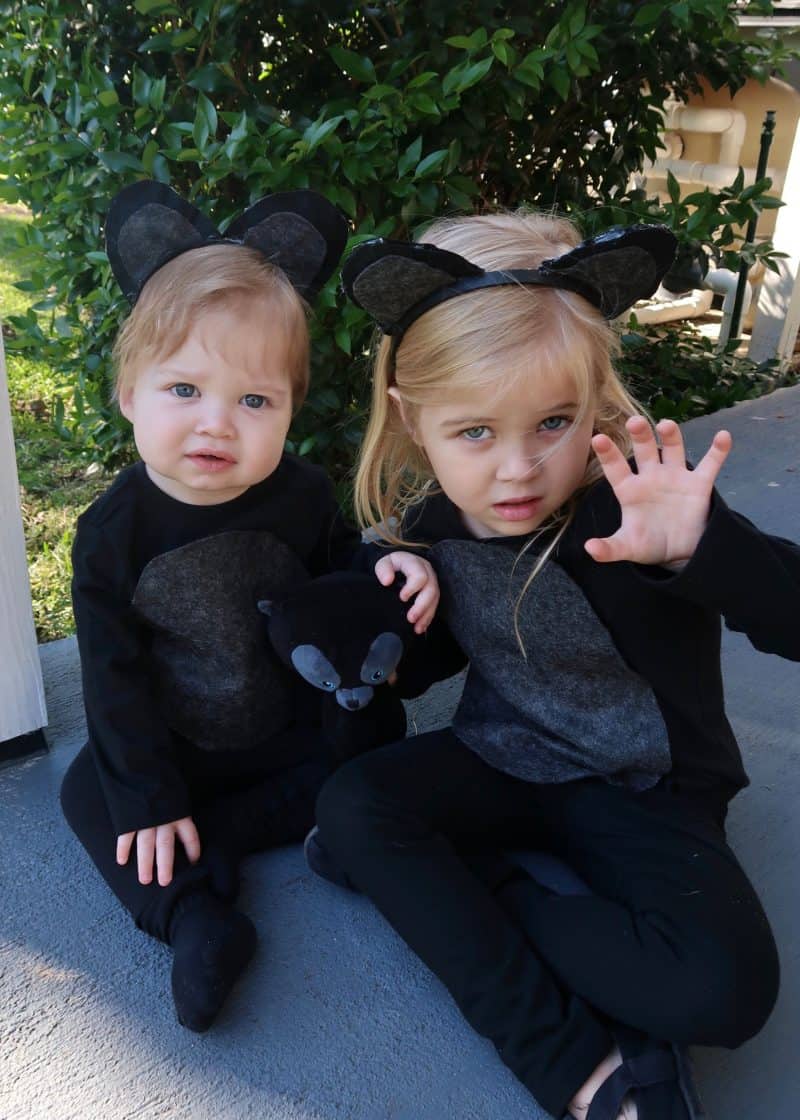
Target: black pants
(234, 817)
(673, 941)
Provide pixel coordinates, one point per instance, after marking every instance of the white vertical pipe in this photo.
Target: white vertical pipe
(22, 704)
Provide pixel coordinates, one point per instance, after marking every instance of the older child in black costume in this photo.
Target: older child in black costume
(198, 752)
(584, 570)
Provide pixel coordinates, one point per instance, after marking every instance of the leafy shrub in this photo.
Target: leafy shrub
(679, 374)
(397, 111)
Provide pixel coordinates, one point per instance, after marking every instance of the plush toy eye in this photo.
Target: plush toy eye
(377, 675)
(329, 686)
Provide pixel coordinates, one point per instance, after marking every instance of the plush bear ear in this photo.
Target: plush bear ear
(617, 268)
(389, 278)
(299, 231)
(267, 607)
(147, 225)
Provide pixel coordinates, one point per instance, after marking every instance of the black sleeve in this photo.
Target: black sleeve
(431, 657)
(338, 542)
(750, 577)
(131, 744)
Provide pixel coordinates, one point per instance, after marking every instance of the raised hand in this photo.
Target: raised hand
(665, 506)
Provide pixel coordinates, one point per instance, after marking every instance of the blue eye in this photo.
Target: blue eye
(474, 435)
(554, 423)
(377, 675)
(329, 686)
(254, 400)
(184, 390)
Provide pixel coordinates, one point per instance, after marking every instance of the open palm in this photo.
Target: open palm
(664, 505)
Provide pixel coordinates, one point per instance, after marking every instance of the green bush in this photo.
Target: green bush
(397, 111)
(679, 374)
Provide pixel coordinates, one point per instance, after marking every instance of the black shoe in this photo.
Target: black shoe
(658, 1078)
(322, 862)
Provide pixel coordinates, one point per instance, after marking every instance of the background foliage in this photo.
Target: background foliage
(397, 111)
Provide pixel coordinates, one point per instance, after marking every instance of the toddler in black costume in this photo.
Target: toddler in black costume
(584, 573)
(199, 752)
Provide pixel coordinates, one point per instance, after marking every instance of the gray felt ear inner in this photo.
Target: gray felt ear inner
(384, 654)
(390, 286)
(151, 236)
(621, 276)
(290, 242)
(312, 664)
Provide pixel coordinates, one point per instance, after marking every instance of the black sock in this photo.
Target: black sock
(212, 944)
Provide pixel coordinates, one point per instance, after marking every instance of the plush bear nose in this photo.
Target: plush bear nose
(352, 704)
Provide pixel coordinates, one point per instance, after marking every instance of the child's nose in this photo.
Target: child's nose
(518, 462)
(215, 419)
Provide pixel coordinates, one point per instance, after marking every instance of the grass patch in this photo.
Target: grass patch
(55, 485)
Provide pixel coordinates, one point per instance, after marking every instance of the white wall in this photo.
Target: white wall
(22, 706)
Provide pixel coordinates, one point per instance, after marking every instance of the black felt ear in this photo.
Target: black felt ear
(147, 225)
(299, 231)
(388, 278)
(617, 267)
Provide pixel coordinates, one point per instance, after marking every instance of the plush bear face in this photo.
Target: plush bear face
(343, 633)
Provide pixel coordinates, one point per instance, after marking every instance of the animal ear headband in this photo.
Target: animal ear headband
(298, 231)
(397, 281)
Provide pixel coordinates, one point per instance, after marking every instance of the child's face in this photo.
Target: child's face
(508, 462)
(211, 419)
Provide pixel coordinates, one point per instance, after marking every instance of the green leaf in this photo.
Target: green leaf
(560, 81)
(430, 163)
(157, 91)
(208, 112)
(352, 64)
(648, 15)
(316, 132)
(119, 161)
(343, 341)
(72, 113)
(674, 188)
(424, 102)
(409, 158)
(422, 79)
(473, 42)
(474, 73)
(108, 98)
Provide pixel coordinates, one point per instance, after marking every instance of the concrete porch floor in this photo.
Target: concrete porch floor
(335, 1019)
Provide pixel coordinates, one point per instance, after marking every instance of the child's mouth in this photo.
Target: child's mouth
(211, 460)
(520, 509)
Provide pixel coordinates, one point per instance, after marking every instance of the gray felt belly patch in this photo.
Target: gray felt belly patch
(575, 708)
(219, 683)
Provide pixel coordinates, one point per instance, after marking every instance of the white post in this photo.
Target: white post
(778, 316)
(22, 705)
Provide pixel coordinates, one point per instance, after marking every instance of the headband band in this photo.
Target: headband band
(148, 225)
(396, 282)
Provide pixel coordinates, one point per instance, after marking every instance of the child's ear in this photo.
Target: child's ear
(399, 404)
(126, 402)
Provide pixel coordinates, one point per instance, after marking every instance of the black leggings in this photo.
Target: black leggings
(233, 818)
(673, 941)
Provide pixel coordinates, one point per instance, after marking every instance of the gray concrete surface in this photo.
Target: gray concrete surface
(335, 1019)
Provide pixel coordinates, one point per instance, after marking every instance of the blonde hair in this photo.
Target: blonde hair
(479, 341)
(220, 275)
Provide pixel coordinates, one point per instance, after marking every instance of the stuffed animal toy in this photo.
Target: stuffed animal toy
(345, 634)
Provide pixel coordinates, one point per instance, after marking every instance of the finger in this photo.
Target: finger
(145, 851)
(711, 464)
(606, 550)
(414, 583)
(392, 678)
(645, 448)
(190, 838)
(124, 843)
(165, 854)
(673, 453)
(384, 570)
(614, 464)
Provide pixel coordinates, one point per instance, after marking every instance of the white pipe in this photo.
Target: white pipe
(660, 310)
(724, 283)
(715, 174)
(730, 123)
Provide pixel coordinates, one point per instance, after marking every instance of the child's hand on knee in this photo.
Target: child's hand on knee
(158, 844)
(421, 583)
